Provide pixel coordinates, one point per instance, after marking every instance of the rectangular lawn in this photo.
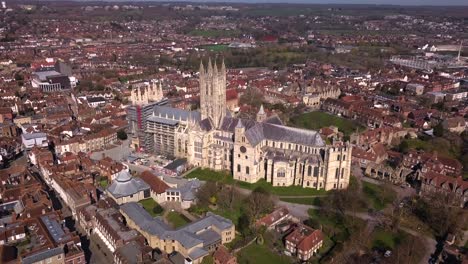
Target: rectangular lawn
(149, 204)
(177, 220)
(260, 254)
(226, 177)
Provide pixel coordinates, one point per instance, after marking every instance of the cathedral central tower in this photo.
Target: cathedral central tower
(213, 92)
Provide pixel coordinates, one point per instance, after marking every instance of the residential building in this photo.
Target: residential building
(304, 242)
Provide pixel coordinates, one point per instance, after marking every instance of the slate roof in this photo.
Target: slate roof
(28, 136)
(191, 235)
(163, 120)
(38, 257)
(256, 132)
(42, 75)
(125, 185)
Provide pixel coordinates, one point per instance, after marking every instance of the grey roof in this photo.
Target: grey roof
(191, 235)
(209, 237)
(95, 99)
(188, 190)
(42, 75)
(274, 119)
(210, 219)
(198, 253)
(28, 136)
(229, 124)
(125, 185)
(256, 132)
(54, 228)
(206, 125)
(43, 255)
(163, 120)
(175, 113)
(130, 252)
(143, 219)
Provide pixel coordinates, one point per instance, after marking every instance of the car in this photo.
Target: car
(388, 254)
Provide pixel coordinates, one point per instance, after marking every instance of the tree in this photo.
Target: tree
(204, 194)
(122, 135)
(403, 147)
(244, 225)
(158, 209)
(440, 212)
(228, 196)
(259, 202)
(439, 130)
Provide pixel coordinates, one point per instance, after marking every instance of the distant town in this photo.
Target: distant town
(214, 133)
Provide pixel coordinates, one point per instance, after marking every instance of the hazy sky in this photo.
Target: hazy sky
(378, 2)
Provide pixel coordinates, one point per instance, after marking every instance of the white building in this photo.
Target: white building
(34, 139)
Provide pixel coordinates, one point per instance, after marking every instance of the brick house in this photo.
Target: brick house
(304, 241)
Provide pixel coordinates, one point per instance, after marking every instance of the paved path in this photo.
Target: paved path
(302, 196)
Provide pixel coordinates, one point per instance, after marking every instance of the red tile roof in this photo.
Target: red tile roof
(157, 185)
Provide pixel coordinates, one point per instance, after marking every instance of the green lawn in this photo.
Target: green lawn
(225, 177)
(149, 204)
(177, 220)
(214, 33)
(103, 183)
(376, 195)
(207, 260)
(316, 120)
(384, 239)
(326, 247)
(220, 47)
(307, 201)
(441, 145)
(260, 254)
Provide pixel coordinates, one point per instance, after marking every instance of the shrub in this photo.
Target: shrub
(158, 209)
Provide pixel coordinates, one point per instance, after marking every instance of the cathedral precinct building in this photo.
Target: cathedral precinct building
(251, 149)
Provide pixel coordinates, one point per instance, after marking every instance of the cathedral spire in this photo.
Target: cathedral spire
(202, 69)
(210, 66)
(223, 67)
(261, 115)
(261, 111)
(215, 68)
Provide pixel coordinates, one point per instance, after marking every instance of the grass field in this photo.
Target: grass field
(103, 183)
(177, 220)
(225, 177)
(214, 33)
(307, 201)
(220, 47)
(316, 120)
(338, 228)
(384, 239)
(441, 145)
(376, 196)
(260, 254)
(149, 204)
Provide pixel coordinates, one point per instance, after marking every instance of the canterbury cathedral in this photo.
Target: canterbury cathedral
(257, 149)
